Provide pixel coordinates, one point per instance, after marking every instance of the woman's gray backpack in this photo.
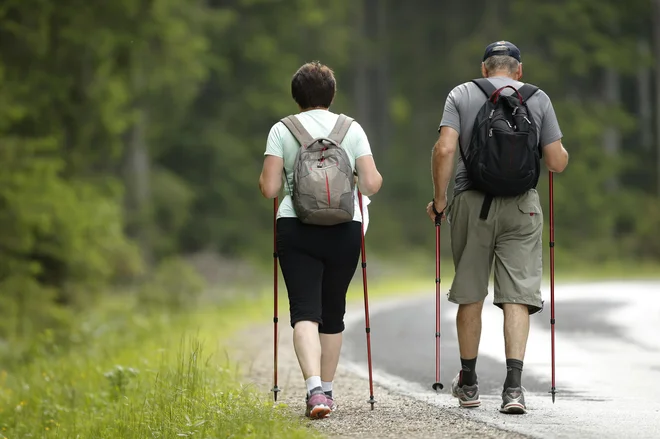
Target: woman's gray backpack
(323, 185)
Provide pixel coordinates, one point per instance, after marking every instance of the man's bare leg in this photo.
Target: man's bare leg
(468, 329)
(516, 330)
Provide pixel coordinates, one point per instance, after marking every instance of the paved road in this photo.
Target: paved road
(607, 361)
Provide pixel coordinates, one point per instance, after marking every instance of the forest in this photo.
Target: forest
(133, 131)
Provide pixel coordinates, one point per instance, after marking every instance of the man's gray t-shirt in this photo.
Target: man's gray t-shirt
(465, 101)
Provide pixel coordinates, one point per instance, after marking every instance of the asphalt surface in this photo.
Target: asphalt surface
(607, 359)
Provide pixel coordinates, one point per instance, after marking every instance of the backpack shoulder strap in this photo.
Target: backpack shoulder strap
(485, 86)
(298, 130)
(527, 91)
(341, 128)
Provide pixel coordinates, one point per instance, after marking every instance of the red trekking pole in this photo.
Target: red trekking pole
(552, 284)
(438, 220)
(371, 401)
(275, 389)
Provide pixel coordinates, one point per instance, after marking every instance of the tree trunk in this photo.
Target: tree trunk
(645, 105)
(656, 54)
(361, 84)
(612, 139)
(382, 95)
(137, 167)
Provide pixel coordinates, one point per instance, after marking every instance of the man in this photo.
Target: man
(508, 232)
(318, 261)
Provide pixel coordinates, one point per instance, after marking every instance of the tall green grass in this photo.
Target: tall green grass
(139, 376)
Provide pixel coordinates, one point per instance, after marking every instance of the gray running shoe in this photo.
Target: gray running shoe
(513, 401)
(468, 396)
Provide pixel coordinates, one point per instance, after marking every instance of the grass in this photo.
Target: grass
(140, 376)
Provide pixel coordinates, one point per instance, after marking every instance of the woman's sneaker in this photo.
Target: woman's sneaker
(468, 396)
(317, 406)
(513, 401)
(331, 401)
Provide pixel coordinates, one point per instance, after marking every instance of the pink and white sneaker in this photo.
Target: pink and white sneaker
(317, 406)
(331, 402)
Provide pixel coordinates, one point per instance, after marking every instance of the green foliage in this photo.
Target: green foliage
(133, 131)
(62, 239)
(174, 285)
(220, 143)
(569, 59)
(128, 380)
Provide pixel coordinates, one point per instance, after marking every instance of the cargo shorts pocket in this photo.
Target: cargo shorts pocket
(531, 215)
(529, 208)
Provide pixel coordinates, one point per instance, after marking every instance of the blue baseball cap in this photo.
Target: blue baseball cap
(502, 48)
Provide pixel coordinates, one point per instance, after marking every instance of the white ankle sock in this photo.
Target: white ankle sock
(327, 386)
(312, 383)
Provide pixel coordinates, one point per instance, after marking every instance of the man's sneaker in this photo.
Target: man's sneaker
(317, 406)
(513, 401)
(331, 402)
(468, 396)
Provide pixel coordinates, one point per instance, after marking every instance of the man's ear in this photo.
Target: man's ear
(484, 73)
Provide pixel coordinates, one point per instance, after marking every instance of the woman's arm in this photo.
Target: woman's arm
(270, 180)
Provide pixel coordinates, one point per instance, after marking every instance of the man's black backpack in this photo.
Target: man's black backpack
(504, 158)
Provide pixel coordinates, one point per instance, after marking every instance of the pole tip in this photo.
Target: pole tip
(275, 391)
(438, 386)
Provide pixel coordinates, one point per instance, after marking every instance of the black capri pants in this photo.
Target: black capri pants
(318, 264)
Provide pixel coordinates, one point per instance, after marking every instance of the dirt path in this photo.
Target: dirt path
(394, 415)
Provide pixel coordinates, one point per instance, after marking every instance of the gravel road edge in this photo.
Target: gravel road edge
(401, 409)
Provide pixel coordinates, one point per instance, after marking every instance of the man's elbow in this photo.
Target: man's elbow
(557, 169)
(558, 166)
(444, 149)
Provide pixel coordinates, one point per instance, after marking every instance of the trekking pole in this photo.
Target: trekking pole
(275, 389)
(552, 283)
(371, 401)
(437, 385)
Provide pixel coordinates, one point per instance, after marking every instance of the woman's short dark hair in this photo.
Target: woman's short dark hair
(313, 85)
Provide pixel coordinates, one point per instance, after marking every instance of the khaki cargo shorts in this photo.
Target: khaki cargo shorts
(510, 237)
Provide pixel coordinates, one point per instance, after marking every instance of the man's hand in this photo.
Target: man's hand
(440, 206)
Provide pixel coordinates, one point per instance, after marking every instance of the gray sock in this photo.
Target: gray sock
(316, 391)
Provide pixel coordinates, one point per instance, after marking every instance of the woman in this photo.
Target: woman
(317, 262)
